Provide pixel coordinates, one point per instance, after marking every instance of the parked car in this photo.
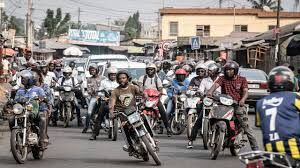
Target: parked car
(257, 84)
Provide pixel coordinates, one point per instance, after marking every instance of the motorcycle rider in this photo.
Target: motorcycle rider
(48, 76)
(74, 71)
(152, 81)
(278, 115)
(58, 70)
(68, 80)
(123, 97)
(236, 86)
(166, 66)
(205, 85)
(179, 84)
(158, 66)
(93, 83)
(108, 84)
(201, 70)
(30, 91)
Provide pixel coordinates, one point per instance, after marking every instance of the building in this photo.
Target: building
(211, 22)
(149, 31)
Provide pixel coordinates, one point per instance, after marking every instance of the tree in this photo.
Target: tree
(259, 4)
(17, 24)
(56, 25)
(133, 27)
(119, 22)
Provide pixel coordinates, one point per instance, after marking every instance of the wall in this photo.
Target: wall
(220, 25)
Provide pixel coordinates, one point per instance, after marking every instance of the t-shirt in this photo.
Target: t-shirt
(49, 78)
(5, 64)
(150, 82)
(67, 82)
(233, 87)
(125, 98)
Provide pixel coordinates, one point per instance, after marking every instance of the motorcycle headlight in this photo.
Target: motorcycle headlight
(100, 94)
(207, 101)
(133, 118)
(182, 97)
(17, 109)
(67, 88)
(226, 101)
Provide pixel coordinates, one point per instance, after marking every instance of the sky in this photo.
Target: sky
(102, 11)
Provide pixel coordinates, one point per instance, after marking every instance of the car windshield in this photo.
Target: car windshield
(135, 73)
(106, 60)
(253, 75)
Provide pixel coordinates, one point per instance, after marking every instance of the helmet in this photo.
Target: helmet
(151, 65)
(43, 64)
(158, 64)
(281, 78)
(180, 72)
(67, 69)
(209, 62)
(112, 70)
(123, 71)
(201, 66)
(213, 67)
(93, 66)
(231, 65)
(28, 76)
(187, 68)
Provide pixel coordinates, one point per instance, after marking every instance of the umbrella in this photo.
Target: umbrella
(8, 51)
(73, 51)
(292, 45)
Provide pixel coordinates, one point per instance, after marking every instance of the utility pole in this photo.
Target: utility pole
(1, 12)
(79, 22)
(163, 3)
(277, 48)
(108, 24)
(29, 25)
(220, 3)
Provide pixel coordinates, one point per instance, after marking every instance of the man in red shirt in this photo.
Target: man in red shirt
(237, 87)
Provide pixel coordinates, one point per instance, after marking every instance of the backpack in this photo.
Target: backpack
(63, 80)
(155, 80)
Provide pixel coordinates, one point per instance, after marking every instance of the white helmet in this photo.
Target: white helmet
(187, 68)
(67, 69)
(201, 65)
(209, 62)
(112, 70)
(151, 65)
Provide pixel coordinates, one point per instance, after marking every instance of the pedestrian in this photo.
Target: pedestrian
(6, 69)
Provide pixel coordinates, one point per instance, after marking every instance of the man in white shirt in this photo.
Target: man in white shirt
(49, 77)
(6, 68)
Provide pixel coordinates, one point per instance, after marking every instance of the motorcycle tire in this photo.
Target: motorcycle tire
(218, 143)
(190, 124)
(68, 112)
(16, 140)
(205, 126)
(37, 153)
(151, 150)
(114, 131)
(176, 128)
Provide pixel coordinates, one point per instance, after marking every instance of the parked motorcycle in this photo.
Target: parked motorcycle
(150, 106)
(262, 159)
(223, 131)
(25, 133)
(143, 143)
(193, 98)
(178, 119)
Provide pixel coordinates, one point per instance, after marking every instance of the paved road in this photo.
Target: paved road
(71, 149)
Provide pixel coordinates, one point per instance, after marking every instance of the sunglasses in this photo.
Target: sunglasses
(202, 70)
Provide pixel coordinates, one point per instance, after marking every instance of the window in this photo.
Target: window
(203, 30)
(173, 28)
(241, 28)
(271, 27)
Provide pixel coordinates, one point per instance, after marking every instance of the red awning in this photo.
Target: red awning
(8, 52)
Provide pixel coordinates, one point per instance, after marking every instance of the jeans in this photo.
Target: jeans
(163, 114)
(102, 112)
(91, 107)
(198, 124)
(170, 107)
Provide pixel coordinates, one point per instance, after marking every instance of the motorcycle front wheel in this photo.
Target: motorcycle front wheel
(177, 128)
(18, 150)
(217, 142)
(114, 131)
(68, 115)
(205, 126)
(190, 124)
(151, 150)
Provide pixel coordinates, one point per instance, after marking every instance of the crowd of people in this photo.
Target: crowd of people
(41, 79)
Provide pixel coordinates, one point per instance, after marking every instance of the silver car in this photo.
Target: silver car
(257, 84)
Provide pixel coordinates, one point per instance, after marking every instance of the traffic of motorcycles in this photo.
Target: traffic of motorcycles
(139, 125)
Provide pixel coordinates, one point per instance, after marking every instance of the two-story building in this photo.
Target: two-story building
(216, 22)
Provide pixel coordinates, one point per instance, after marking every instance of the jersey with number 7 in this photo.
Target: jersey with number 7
(278, 115)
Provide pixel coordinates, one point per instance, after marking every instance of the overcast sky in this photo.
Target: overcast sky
(98, 11)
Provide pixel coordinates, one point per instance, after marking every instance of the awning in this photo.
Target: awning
(135, 50)
(118, 48)
(291, 46)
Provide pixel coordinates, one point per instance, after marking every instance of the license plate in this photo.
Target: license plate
(253, 86)
(134, 118)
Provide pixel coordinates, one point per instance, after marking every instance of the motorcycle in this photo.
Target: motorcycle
(178, 119)
(150, 108)
(67, 104)
(193, 98)
(223, 131)
(25, 133)
(143, 143)
(262, 159)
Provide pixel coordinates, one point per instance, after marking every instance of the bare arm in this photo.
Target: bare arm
(112, 103)
(244, 98)
(212, 89)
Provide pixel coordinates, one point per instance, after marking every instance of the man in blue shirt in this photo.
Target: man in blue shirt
(278, 115)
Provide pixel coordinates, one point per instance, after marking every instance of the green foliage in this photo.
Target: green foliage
(13, 22)
(56, 25)
(133, 27)
(259, 4)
